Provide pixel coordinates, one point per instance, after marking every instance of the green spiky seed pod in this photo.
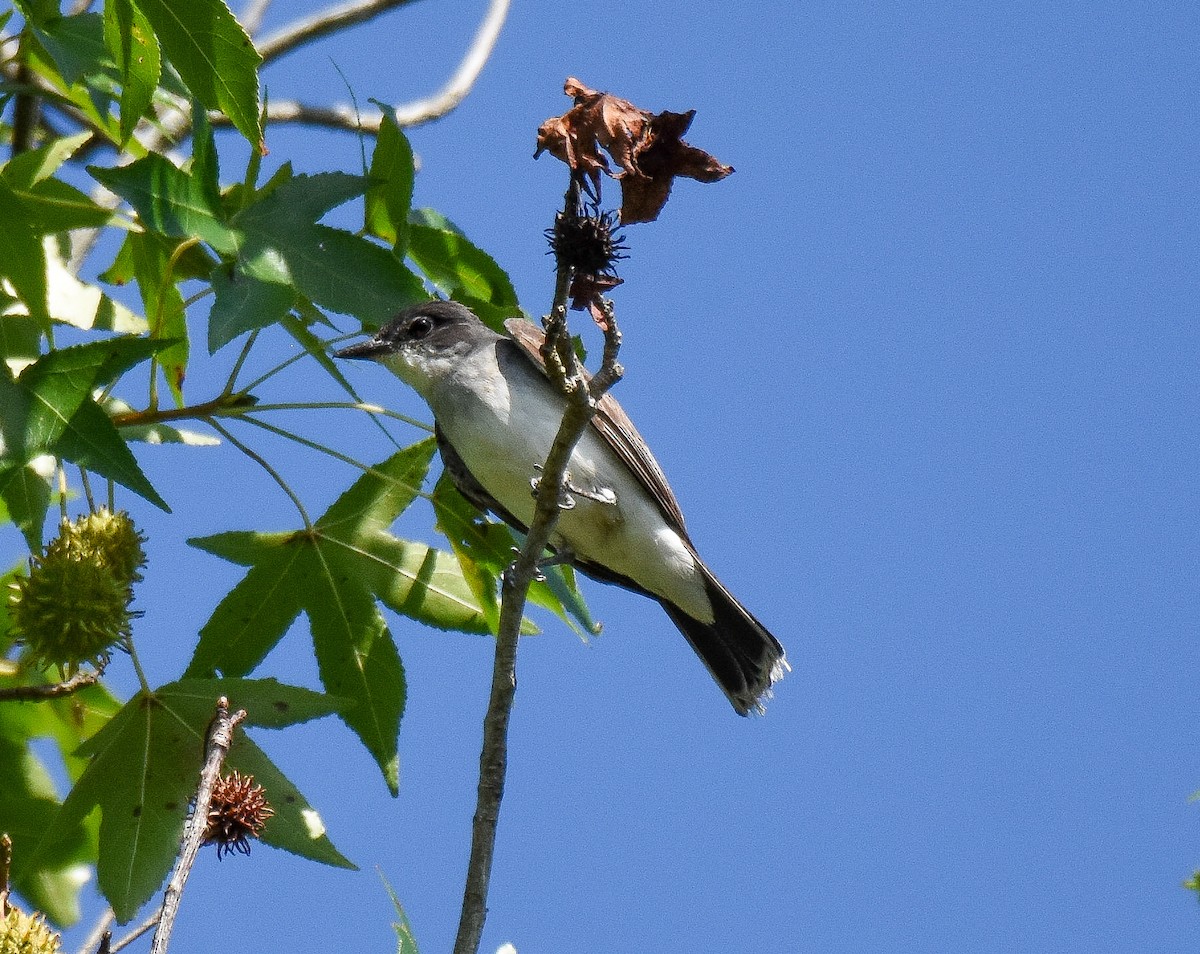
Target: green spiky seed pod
(73, 607)
(22, 933)
(105, 538)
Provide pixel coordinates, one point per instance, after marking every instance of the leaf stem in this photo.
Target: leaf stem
(262, 462)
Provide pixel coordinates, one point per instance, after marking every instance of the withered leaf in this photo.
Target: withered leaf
(647, 149)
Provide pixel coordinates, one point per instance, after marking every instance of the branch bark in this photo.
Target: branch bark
(322, 23)
(220, 737)
(493, 760)
(51, 691)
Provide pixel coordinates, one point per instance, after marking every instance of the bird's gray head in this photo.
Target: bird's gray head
(424, 343)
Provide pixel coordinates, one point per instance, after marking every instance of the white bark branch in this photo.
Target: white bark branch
(327, 21)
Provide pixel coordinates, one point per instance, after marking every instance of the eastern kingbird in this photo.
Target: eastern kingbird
(496, 416)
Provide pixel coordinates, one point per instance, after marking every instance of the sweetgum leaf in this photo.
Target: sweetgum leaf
(144, 767)
(333, 573)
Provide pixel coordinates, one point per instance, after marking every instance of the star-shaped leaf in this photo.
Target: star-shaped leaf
(145, 766)
(334, 572)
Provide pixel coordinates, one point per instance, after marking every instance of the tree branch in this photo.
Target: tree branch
(453, 93)
(219, 738)
(320, 24)
(252, 16)
(53, 691)
(493, 760)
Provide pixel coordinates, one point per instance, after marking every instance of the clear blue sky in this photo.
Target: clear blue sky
(923, 374)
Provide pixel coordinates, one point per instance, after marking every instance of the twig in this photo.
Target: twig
(453, 93)
(321, 24)
(345, 117)
(341, 116)
(136, 933)
(218, 740)
(581, 405)
(96, 935)
(52, 691)
(5, 867)
(252, 17)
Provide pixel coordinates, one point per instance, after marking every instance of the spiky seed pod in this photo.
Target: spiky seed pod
(587, 243)
(69, 611)
(238, 812)
(22, 933)
(109, 539)
(73, 607)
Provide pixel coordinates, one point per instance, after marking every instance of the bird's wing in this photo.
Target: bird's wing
(613, 425)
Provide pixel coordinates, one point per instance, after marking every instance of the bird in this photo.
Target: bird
(496, 415)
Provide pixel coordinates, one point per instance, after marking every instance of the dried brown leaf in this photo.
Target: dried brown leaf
(647, 149)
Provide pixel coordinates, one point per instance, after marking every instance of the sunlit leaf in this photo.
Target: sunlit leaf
(285, 244)
(213, 55)
(334, 572)
(144, 768)
(390, 195)
(169, 200)
(134, 48)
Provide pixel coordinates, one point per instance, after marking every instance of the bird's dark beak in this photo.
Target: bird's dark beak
(369, 350)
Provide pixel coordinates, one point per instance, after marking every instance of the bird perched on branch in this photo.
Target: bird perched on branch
(497, 415)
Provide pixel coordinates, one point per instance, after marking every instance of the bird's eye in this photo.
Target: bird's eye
(419, 327)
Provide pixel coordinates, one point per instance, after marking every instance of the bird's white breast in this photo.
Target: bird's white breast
(501, 416)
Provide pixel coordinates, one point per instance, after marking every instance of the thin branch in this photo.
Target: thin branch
(340, 117)
(92, 941)
(5, 867)
(135, 933)
(580, 406)
(219, 738)
(329, 20)
(453, 93)
(252, 17)
(53, 691)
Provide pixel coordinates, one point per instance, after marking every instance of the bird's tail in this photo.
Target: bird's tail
(742, 655)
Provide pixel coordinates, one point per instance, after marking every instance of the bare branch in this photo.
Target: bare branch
(252, 17)
(92, 941)
(219, 738)
(329, 20)
(341, 116)
(493, 760)
(135, 933)
(51, 691)
(453, 93)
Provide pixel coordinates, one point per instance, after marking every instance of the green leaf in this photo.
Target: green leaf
(75, 43)
(153, 268)
(242, 303)
(390, 196)
(214, 57)
(333, 572)
(357, 658)
(404, 934)
(59, 382)
(169, 200)
(296, 826)
(26, 495)
(144, 768)
(285, 245)
(91, 440)
(30, 168)
(134, 48)
(19, 338)
(22, 260)
(84, 306)
(453, 263)
(55, 206)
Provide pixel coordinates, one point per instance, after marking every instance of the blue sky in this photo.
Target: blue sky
(923, 374)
